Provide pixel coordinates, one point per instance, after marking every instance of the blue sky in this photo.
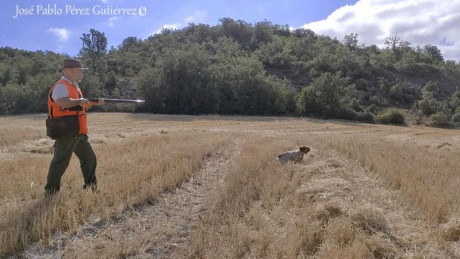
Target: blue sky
(420, 22)
(44, 30)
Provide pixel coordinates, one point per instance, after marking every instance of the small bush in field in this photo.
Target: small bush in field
(391, 116)
(456, 118)
(439, 120)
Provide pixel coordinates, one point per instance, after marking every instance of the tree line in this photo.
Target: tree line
(236, 67)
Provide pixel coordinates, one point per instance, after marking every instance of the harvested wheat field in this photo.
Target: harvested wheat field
(212, 187)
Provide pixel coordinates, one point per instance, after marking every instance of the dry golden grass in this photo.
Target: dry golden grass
(428, 176)
(262, 214)
(15, 129)
(131, 172)
(365, 191)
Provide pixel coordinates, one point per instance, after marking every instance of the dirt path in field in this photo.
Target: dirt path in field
(157, 229)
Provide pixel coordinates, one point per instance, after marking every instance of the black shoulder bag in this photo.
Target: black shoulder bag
(64, 126)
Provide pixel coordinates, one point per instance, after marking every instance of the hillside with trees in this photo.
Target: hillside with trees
(249, 69)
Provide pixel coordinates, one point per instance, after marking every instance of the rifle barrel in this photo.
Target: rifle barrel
(116, 100)
(123, 101)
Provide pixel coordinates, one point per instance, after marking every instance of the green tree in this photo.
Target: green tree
(351, 41)
(275, 53)
(93, 53)
(433, 54)
(263, 32)
(244, 87)
(39, 87)
(456, 118)
(431, 86)
(456, 99)
(432, 89)
(427, 105)
(239, 30)
(180, 82)
(322, 97)
(397, 45)
(403, 94)
(94, 46)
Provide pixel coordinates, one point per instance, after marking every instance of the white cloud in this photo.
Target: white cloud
(61, 33)
(173, 26)
(419, 22)
(111, 21)
(196, 17)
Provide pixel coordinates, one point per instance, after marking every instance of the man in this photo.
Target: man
(66, 99)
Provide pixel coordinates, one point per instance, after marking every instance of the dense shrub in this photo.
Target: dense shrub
(391, 116)
(403, 93)
(322, 97)
(365, 116)
(456, 118)
(439, 120)
(427, 105)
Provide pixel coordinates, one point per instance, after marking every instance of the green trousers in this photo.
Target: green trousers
(63, 149)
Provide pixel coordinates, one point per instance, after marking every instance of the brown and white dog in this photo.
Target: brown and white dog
(295, 156)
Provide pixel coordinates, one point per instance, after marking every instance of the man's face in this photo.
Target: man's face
(78, 74)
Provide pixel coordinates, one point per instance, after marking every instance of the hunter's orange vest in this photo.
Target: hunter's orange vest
(55, 111)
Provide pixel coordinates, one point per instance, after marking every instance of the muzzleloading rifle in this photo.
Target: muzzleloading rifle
(108, 100)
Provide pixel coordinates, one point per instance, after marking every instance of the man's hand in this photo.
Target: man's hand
(91, 103)
(100, 101)
(82, 102)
